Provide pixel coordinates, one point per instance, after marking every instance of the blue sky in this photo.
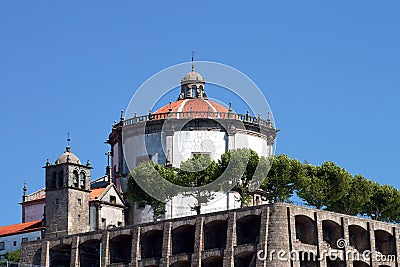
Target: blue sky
(329, 69)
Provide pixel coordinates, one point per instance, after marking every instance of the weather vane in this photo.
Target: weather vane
(68, 138)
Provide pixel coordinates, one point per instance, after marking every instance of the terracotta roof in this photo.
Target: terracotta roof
(95, 193)
(195, 105)
(21, 228)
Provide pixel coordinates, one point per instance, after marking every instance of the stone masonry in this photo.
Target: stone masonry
(231, 239)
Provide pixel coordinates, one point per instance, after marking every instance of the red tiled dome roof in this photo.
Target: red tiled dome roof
(194, 105)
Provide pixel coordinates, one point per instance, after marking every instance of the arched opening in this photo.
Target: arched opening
(332, 232)
(247, 259)
(216, 261)
(37, 257)
(181, 264)
(120, 249)
(82, 178)
(359, 238)
(89, 253)
(183, 239)
(215, 234)
(151, 244)
(194, 91)
(307, 259)
(334, 263)
(75, 178)
(248, 229)
(360, 264)
(305, 230)
(384, 242)
(60, 256)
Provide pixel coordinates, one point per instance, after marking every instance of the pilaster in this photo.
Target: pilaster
(198, 245)
(105, 251)
(229, 253)
(167, 245)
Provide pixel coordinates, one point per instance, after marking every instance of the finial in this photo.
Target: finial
(88, 163)
(108, 168)
(24, 188)
(192, 60)
(67, 149)
(170, 107)
(269, 122)
(68, 138)
(47, 162)
(122, 116)
(24, 197)
(108, 154)
(230, 107)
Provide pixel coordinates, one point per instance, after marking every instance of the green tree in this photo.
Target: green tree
(384, 203)
(149, 173)
(283, 178)
(354, 200)
(324, 185)
(197, 172)
(239, 167)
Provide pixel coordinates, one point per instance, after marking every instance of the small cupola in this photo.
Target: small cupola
(192, 86)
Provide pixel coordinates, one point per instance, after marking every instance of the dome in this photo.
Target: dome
(192, 76)
(194, 105)
(68, 156)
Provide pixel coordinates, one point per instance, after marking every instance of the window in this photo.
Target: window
(75, 178)
(79, 217)
(15, 243)
(113, 200)
(79, 202)
(119, 224)
(57, 202)
(24, 239)
(2, 245)
(82, 179)
(197, 154)
(103, 223)
(194, 91)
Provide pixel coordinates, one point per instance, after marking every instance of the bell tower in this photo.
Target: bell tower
(67, 196)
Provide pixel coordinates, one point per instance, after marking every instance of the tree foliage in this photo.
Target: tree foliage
(326, 186)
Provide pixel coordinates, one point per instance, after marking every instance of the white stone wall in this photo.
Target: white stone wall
(9, 241)
(187, 142)
(258, 144)
(113, 215)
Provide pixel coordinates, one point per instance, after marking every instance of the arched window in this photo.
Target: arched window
(82, 180)
(186, 92)
(75, 178)
(194, 91)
